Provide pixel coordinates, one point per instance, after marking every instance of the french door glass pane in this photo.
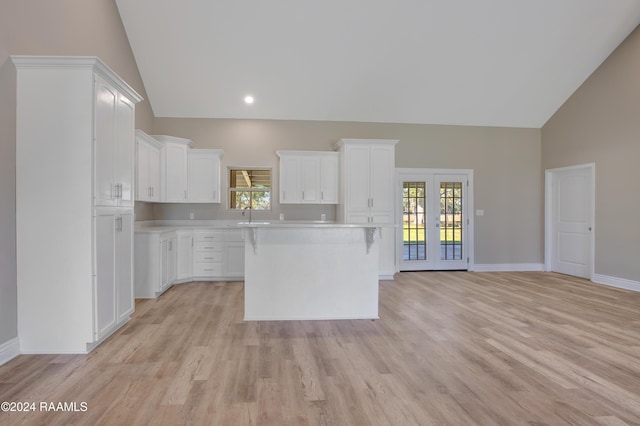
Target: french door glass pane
(451, 221)
(414, 195)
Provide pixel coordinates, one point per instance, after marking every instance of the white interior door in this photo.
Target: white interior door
(571, 221)
(435, 223)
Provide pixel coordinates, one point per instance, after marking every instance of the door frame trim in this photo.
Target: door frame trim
(549, 175)
(400, 172)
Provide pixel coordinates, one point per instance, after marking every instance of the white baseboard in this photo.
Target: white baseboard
(616, 282)
(9, 350)
(507, 267)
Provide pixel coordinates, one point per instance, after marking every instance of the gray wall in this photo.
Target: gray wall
(600, 123)
(506, 164)
(54, 27)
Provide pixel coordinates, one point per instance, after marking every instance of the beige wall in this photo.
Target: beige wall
(506, 164)
(600, 123)
(53, 27)
(8, 291)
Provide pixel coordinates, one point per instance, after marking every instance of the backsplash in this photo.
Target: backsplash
(179, 211)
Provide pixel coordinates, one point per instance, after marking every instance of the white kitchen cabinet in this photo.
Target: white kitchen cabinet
(207, 254)
(185, 241)
(174, 166)
(114, 128)
(105, 316)
(147, 168)
(169, 263)
(156, 263)
(114, 268)
(308, 177)
(202, 254)
(204, 175)
(290, 191)
(233, 254)
(125, 302)
(329, 178)
(367, 168)
(74, 154)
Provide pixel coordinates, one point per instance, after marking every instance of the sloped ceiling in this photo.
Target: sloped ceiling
(471, 62)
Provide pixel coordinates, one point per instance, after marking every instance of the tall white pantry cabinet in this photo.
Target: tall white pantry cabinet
(74, 202)
(367, 170)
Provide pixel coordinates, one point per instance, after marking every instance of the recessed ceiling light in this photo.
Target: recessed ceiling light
(248, 99)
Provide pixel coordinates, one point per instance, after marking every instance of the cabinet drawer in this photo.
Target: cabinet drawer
(208, 269)
(208, 246)
(208, 236)
(209, 257)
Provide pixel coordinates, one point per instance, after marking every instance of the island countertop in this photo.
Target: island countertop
(305, 224)
(173, 225)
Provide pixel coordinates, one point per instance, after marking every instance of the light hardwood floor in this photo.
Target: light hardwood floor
(450, 348)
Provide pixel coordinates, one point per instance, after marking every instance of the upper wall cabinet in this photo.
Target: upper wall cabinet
(148, 167)
(308, 177)
(113, 141)
(174, 163)
(368, 168)
(203, 175)
(170, 171)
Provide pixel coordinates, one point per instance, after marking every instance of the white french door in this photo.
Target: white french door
(435, 220)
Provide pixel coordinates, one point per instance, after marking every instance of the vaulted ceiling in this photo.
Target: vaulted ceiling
(470, 62)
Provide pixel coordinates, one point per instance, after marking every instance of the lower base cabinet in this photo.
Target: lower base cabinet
(185, 254)
(114, 270)
(233, 256)
(169, 262)
(177, 256)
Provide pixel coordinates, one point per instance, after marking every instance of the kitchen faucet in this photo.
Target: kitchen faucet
(245, 210)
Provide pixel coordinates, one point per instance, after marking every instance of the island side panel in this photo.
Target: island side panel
(310, 274)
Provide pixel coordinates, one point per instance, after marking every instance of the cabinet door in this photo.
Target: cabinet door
(289, 180)
(185, 255)
(175, 179)
(358, 174)
(123, 147)
(382, 175)
(309, 179)
(105, 289)
(165, 250)
(153, 173)
(124, 264)
(147, 171)
(173, 260)
(329, 178)
(204, 176)
(143, 187)
(233, 259)
(104, 152)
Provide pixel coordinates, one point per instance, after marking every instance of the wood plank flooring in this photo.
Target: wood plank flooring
(451, 348)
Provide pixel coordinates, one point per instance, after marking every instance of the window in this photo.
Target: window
(250, 188)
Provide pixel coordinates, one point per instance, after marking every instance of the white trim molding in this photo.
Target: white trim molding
(507, 267)
(616, 282)
(9, 350)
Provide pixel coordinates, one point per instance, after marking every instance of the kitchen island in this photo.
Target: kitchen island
(310, 271)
